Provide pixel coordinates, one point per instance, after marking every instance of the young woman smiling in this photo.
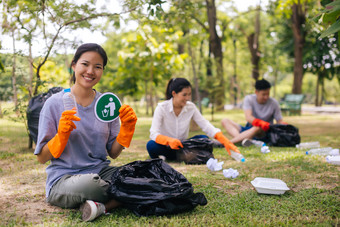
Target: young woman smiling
(78, 146)
(171, 122)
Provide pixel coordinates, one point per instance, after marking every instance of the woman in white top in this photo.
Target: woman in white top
(171, 122)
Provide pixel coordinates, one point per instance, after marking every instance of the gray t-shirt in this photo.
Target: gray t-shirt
(266, 112)
(86, 149)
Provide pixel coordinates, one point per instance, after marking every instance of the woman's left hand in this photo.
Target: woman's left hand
(128, 120)
(226, 143)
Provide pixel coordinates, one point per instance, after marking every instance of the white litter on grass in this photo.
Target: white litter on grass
(333, 159)
(269, 186)
(214, 165)
(265, 149)
(230, 173)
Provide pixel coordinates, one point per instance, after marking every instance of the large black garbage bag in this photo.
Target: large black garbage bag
(33, 111)
(195, 151)
(153, 187)
(283, 135)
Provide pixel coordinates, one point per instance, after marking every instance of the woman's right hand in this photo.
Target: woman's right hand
(58, 143)
(174, 143)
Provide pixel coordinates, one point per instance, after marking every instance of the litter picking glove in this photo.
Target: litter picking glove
(262, 124)
(128, 121)
(174, 144)
(57, 144)
(226, 143)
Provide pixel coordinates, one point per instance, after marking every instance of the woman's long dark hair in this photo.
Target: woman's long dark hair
(177, 85)
(86, 48)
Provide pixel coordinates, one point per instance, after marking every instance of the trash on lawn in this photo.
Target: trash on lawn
(269, 186)
(308, 145)
(265, 149)
(214, 165)
(333, 159)
(323, 151)
(230, 173)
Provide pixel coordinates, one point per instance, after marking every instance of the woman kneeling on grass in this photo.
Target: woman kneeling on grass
(77, 146)
(171, 122)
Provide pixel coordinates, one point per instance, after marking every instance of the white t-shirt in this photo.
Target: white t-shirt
(165, 121)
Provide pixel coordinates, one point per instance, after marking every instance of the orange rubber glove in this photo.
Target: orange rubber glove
(262, 124)
(226, 143)
(58, 143)
(128, 121)
(174, 144)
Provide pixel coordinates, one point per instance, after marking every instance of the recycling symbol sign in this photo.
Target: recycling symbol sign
(107, 107)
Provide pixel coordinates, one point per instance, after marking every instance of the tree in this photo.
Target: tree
(297, 11)
(322, 58)
(147, 58)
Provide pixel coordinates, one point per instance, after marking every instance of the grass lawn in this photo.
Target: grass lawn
(313, 199)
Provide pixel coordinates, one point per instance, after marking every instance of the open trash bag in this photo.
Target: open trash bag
(33, 111)
(283, 135)
(195, 151)
(153, 187)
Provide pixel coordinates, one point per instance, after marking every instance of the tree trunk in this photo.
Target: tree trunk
(1, 114)
(14, 79)
(253, 44)
(216, 49)
(151, 94)
(255, 56)
(322, 91)
(146, 96)
(197, 93)
(30, 60)
(298, 19)
(317, 90)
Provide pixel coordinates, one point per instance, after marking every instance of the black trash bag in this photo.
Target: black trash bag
(283, 135)
(195, 151)
(33, 111)
(153, 187)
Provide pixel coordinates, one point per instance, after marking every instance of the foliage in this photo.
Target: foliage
(331, 16)
(145, 55)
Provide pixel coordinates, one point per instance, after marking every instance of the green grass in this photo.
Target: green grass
(313, 199)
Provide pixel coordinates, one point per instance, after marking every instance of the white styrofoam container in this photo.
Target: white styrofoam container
(333, 159)
(269, 186)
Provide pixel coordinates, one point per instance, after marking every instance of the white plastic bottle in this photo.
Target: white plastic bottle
(237, 156)
(307, 145)
(69, 100)
(258, 143)
(323, 151)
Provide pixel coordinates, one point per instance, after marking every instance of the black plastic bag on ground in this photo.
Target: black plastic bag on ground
(153, 187)
(283, 135)
(33, 111)
(195, 151)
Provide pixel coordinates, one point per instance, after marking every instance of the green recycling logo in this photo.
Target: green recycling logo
(107, 107)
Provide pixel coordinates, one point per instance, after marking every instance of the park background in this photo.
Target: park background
(222, 50)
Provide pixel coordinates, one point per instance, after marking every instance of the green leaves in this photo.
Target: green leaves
(331, 15)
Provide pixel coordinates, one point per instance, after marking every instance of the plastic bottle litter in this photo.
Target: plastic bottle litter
(230, 173)
(308, 145)
(265, 149)
(237, 156)
(69, 100)
(213, 165)
(333, 159)
(323, 151)
(258, 143)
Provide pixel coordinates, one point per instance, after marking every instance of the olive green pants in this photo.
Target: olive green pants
(73, 190)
